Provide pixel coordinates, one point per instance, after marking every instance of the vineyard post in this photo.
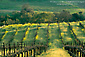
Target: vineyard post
(24, 49)
(82, 43)
(14, 47)
(40, 50)
(74, 50)
(79, 43)
(27, 50)
(17, 45)
(68, 49)
(34, 52)
(21, 49)
(83, 54)
(21, 45)
(27, 53)
(31, 52)
(71, 43)
(18, 55)
(26, 44)
(71, 49)
(9, 49)
(4, 48)
(80, 53)
(77, 53)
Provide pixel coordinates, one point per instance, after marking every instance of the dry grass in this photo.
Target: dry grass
(55, 52)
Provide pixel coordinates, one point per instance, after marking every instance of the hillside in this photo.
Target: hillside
(27, 33)
(56, 0)
(42, 28)
(44, 5)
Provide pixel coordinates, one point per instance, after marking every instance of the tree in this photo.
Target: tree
(9, 21)
(81, 16)
(75, 16)
(65, 15)
(56, 17)
(1, 24)
(17, 21)
(44, 17)
(26, 8)
(4, 22)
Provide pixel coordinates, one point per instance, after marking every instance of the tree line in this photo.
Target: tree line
(27, 15)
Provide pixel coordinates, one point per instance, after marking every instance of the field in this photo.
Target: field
(26, 33)
(61, 39)
(45, 5)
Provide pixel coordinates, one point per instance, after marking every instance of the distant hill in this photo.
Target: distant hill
(46, 0)
(42, 0)
(56, 0)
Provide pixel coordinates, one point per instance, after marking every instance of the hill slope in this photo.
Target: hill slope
(26, 33)
(44, 5)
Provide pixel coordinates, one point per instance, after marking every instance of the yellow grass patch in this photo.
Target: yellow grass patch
(41, 38)
(4, 34)
(37, 37)
(65, 30)
(46, 24)
(28, 28)
(33, 24)
(56, 26)
(16, 33)
(24, 38)
(42, 24)
(57, 40)
(78, 32)
(53, 27)
(64, 22)
(62, 27)
(62, 34)
(77, 27)
(83, 29)
(81, 21)
(19, 25)
(53, 24)
(29, 24)
(81, 37)
(50, 43)
(0, 53)
(77, 23)
(71, 24)
(84, 25)
(69, 39)
(74, 31)
(27, 32)
(55, 53)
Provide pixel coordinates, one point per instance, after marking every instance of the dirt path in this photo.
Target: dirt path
(55, 52)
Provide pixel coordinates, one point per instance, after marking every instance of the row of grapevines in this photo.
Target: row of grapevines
(77, 41)
(65, 33)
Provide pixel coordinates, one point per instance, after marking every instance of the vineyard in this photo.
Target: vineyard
(43, 40)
